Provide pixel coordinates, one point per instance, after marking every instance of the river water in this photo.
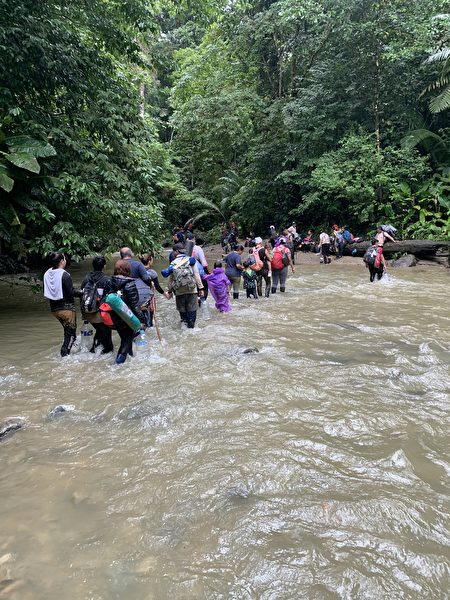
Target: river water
(316, 468)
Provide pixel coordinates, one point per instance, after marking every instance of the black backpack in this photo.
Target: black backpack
(370, 256)
(91, 300)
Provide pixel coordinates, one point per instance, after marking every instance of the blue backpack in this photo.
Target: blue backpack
(201, 268)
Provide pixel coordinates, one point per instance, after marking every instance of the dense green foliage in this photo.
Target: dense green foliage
(69, 75)
(118, 119)
(308, 103)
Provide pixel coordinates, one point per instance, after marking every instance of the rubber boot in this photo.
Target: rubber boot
(267, 292)
(235, 295)
(120, 359)
(274, 290)
(282, 289)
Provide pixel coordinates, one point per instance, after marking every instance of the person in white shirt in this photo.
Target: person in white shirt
(324, 246)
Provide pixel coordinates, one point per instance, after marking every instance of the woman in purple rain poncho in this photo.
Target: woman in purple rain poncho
(218, 284)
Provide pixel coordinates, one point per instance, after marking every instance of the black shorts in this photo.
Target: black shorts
(325, 249)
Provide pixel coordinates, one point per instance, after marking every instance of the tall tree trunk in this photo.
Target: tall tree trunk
(142, 99)
(377, 101)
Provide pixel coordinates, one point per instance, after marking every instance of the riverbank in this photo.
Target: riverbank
(214, 252)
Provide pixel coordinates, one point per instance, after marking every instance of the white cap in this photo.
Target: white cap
(258, 240)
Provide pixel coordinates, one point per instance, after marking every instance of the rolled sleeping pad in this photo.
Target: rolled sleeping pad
(166, 272)
(189, 245)
(122, 310)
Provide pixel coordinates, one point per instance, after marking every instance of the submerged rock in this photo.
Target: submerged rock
(60, 410)
(409, 260)
(10, 426)
(250, 351)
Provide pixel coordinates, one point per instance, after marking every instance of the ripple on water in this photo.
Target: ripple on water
(316, 467)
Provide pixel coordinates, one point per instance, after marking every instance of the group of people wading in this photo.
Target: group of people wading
(125, 301)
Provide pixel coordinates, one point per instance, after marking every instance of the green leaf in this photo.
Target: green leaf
(25, 143)
(24, 161)
(6, 182)
(441, 102)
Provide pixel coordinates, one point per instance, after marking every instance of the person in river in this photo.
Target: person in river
(202, 264)
(281, 260)
(185, 282)
(250, 278)
(125, 286)
(97, 283)
(219, 286)
(137, 268)
(370, 259)
(324, 246)
(58, 289)
(234, 268)
(273, 235)
(147, 292)
(266, 271)
(381, 237)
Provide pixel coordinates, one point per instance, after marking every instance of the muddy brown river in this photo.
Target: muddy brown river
(316, 468)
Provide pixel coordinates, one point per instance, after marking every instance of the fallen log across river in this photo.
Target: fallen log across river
(424, 249)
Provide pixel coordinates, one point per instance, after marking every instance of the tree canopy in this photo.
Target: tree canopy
(118, 119)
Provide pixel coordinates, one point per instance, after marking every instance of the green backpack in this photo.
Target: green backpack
(183, 276)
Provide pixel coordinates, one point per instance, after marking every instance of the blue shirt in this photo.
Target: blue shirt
(138, 271)
(231, 260)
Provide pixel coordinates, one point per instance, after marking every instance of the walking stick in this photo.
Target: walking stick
(153, 306)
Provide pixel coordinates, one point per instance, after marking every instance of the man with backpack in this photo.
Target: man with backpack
(185, 282)
(95, 287)
(137, 268)
(370, 259)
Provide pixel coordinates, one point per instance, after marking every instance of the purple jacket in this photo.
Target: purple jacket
(217, 284)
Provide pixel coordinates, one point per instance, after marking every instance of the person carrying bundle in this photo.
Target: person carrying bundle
(370, 260)
(124, 286)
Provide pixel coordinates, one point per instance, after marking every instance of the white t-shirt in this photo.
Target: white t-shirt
(324, 238)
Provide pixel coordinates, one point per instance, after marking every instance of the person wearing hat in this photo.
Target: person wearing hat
(266, 272)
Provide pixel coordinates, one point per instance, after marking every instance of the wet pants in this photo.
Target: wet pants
(187, 307)
(279, 275)
(263, 274)
(126, 335)
(103, 337)
(374, 272)
(68, 320)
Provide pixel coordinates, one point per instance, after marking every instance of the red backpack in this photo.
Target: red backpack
(277, 260)
(105, 313)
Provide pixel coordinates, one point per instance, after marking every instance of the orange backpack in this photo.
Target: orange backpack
(258, 265)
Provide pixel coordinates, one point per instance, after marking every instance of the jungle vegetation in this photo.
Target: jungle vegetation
(121, 118)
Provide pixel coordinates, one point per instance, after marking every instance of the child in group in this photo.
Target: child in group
(250, 278)
(219, 285)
